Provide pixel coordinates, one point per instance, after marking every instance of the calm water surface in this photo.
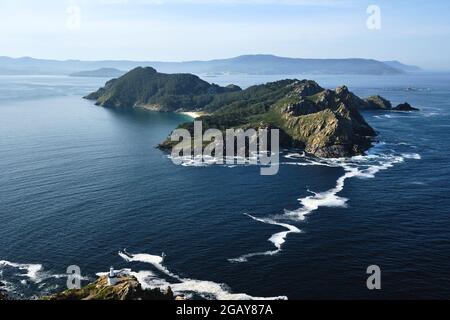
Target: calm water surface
(78, 183)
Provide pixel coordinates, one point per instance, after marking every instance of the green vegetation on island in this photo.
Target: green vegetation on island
(325, 123)
(146, 88)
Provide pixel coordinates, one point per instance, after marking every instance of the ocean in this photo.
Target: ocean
(80, 183)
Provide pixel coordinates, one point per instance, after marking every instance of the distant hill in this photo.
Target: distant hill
(101, 73)
(147, 88)
(404, 67)
(247, 64)
(269, 64)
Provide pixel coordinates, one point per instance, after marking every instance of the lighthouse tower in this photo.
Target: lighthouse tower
(112, 277)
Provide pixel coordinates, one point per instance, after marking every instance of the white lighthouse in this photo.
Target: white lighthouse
(112, 277)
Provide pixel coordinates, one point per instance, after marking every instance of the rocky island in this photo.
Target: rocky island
(101, 73)
(406, 107)
(325, 123)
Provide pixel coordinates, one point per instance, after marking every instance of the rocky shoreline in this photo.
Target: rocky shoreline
(126, 288)
(3, 293)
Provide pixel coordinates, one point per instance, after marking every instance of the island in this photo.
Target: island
(100, 73)
(325, 123)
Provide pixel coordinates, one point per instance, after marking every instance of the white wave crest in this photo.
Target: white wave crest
(205, 289)
(414, 156)
(362, 167)
(156, 261)
(30, 275)
(278, 239)
(32, 271)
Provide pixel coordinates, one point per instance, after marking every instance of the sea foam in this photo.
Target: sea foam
(362, 167)
(185, 286)
(32, 271)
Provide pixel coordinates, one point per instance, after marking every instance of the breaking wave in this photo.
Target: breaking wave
(30, 271)
(362, 167)
(28, 275)
(278, 239)
(184, 286)
(229, 162)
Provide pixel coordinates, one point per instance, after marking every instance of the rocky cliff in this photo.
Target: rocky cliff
(328, 123)
(324, 123)
(127, 288)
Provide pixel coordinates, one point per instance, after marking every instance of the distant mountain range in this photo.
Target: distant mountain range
(247, 64)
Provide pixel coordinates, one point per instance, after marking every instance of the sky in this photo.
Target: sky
(411, 31)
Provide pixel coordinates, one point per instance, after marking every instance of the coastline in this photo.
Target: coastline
(157, 108)
(194, 115)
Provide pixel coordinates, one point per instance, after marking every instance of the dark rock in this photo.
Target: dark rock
(169, 293)
(3, 295)
(405, 107)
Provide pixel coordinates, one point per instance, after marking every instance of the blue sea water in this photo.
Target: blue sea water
(78, 183)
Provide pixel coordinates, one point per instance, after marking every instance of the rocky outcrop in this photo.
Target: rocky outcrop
(3, 293)
(305, 88)
(328, 124)
(377, 103)
(127, 288)
(301, 108)
(406, 107)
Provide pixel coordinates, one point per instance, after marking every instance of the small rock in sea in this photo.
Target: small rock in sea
(168, 292)
(405, 107)
(3, 295)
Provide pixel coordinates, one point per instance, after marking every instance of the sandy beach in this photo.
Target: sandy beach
(194, 115)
